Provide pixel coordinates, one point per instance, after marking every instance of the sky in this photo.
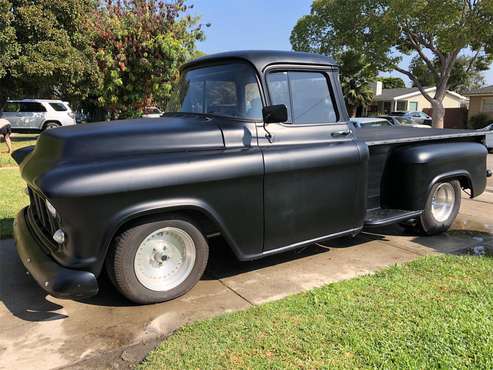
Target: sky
(258, 24)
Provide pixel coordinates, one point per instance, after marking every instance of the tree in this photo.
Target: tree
(436, 31)
(391, 82)
(356, 76)
(46, 48)
(466, 73)
(140, 45)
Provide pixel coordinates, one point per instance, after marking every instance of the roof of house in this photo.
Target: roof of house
(487, 90)
(408, 92)
(390, 94)
(263, 58)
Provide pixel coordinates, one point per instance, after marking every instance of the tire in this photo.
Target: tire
(141, 255)
(51, 125)
(438, 219)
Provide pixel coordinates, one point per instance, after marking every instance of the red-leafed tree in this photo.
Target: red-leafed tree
(139, 47)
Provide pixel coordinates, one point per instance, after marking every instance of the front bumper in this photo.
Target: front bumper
(58, 281)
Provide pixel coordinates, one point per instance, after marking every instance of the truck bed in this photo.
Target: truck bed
(393, 135)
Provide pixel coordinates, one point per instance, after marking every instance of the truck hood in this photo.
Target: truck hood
(128, 138)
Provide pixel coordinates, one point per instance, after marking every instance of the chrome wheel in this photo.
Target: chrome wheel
(164, 259)
(442, 203)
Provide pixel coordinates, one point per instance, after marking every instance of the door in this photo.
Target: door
(315, 171)
(33, 114)
(11, 112)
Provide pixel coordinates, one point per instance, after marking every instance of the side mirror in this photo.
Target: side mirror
(275, 113)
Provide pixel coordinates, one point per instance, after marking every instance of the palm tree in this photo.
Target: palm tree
(356, 77)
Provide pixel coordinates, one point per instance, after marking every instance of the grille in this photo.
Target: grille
(45, 221)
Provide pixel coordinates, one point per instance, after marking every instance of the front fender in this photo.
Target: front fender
(138, 211)
(411, 171)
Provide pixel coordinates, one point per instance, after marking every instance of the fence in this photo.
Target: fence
(454, 117)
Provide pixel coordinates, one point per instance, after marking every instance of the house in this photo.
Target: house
(409, 99)
(481, 101)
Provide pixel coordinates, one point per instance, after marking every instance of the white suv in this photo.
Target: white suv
(37, 115)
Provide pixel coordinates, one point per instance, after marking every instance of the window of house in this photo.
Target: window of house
(487, 106)
(402, 106)
(305, 94)
(413, 106)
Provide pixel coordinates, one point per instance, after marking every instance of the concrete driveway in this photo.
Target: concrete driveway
(40, 332)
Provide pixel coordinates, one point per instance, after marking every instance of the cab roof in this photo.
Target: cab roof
(263, 58)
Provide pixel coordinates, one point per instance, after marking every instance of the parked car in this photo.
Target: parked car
(418, 117)
(152, 112)
(37, 115)
(403, 121)
(489, 136)
(369, 122)
(142, 202)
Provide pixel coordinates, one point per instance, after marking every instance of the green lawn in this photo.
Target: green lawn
(18, 141)
(436, 312)
(12, 199)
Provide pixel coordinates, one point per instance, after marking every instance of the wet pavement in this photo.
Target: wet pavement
(38, 331)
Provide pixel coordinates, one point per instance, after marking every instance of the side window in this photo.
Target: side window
(305, 94)
(279, 90)
(32, 107)
(253, 103)
(312, 102)
(11, 107)
(59, 107)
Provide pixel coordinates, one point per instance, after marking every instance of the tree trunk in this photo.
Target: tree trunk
(438, 113)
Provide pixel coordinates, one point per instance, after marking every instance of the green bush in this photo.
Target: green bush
(478, 121)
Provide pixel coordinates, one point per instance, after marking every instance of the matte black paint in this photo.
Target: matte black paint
(307, 183)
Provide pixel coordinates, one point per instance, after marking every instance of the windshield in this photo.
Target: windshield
(225, 90)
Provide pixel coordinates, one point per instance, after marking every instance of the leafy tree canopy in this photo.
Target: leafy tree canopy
(466, 75)
(384, 30)
(391, 82)
(46, 48)
(140, 45)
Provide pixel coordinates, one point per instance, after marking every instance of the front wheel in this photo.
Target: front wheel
(441, 209)
(157, 261)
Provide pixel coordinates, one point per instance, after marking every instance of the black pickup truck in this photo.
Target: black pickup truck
(260, 150)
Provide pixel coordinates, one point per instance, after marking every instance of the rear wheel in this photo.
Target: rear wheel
(51, 125)
(158, 261)
(441, 209)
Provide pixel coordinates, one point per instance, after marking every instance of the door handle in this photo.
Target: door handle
(341, 133)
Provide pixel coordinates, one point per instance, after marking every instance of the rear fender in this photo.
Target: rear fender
(412, 170)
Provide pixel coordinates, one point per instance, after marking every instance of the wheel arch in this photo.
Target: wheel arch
(463, 176)
(205, 218)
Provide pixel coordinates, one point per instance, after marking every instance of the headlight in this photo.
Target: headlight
(59, 236)
(51, 209)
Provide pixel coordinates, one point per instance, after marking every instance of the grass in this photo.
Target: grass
(12, 196)
(18, 141)
(12, 199)
(436, 312)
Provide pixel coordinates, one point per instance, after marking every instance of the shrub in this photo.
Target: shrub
(478, 121)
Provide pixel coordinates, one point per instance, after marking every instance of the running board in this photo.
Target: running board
(383, 217)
